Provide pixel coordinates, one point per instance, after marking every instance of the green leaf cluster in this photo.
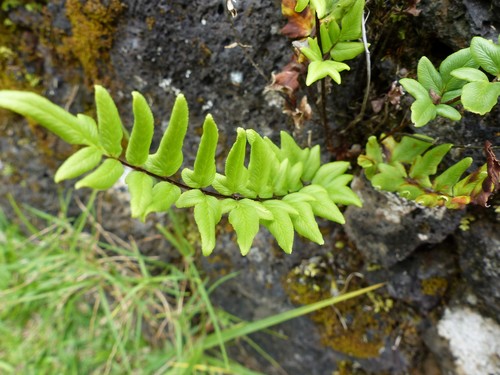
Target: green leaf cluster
(411, 168)
(340, 27)
(283, 188)
(458, 80)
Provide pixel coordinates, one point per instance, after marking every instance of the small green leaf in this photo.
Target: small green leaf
(207, 215)
(79, 163)
(301, 5)
(480, 97)
(244, 218)
(459, 59)
(190, 198)
(236, 173)
(445, 181)
(323, 207)
(164, 196)
(259, 168)
(333, 31)
(142, 131)
(427, 164)
(109, 123)
(429, 77)
(304, 223)
(409, 147)
(103, 177)
(320, 7)
(313, 52)
(311, 164)
(452, 96)
(49, 115)
(351, 22)
(204, 165)
(346, 50)
(372, 158)
(168, 158)
(470, 75)
(343, 195)
(389, 178)
(415, 88)
(329, 171)
(448, 111)
(326, 43)
(281, 226)
(140, 186)
(487, 54)
(423, 111)
(320, 69)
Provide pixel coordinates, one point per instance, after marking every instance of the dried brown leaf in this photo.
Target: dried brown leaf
(300, 25)
(492, 182)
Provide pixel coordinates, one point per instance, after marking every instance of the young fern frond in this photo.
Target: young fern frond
(409, 168)
(282, 188)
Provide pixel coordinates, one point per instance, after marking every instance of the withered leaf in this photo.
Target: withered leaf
(287, 81)
(492, 181)
(300, 25)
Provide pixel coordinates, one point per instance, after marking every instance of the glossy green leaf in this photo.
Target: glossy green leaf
(459, 59)
(244, 218)
(487, 54)
(429, 77)
(301, 5)
(409, 147)
(103, 177)
(346, 50)
(333, 31)
(109, 122)
(168, 158)
(313, 52)
(259, 168)
(448, 111)
(140, 186)
(480, 97)
(326, 43)
(79, 163)
(470, 75)
(351, 22)
(142, 131)
(304, 223)
(281, 226)
(323, 207)
(320, 69)
(445, 181)
(423, 111)
(49, 115)
(329, 171)
(204, 164)
(415, 88)
(164, 196)
(312, 163)
(207, 215)
(427, 164)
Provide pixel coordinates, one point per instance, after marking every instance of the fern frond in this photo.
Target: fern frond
(282, 187)
(409, 168)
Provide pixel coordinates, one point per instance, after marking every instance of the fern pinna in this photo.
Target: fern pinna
(282, 187)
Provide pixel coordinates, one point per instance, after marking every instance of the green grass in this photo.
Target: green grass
(71, 303)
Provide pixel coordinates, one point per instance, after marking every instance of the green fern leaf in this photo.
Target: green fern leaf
(445, 181)
(351, 22)
(140, 186)
(244, 218)
(429, 77)
(259, 166)
(312, 163)
(427, 164)
(109, 123)
(142, 132)
(323, 206)
(164, 196)
(79, 163)
(168, 158)
(293, 182)
(281, 226)
(103, 177)
(408, 149)
(304, 223)
(204, 166)
(49, 115)
(329, 171)
(459, 59)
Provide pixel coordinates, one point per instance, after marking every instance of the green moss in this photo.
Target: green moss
(434, 286)
(92, 26)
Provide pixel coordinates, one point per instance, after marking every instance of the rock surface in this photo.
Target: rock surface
(222, 65)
